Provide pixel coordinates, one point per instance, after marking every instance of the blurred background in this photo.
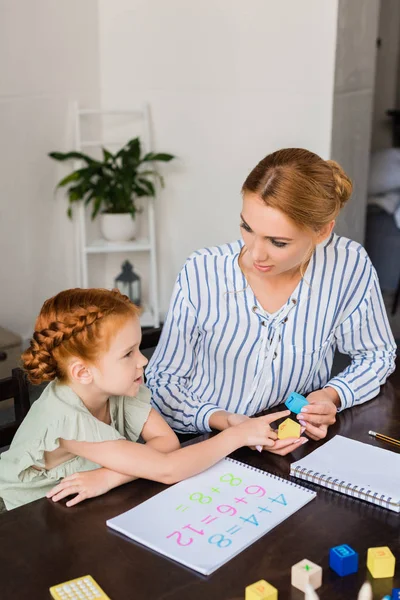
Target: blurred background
(219, 84)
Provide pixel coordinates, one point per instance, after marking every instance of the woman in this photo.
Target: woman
(252, 321)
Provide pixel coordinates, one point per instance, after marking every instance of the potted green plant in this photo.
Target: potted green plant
(112, 185)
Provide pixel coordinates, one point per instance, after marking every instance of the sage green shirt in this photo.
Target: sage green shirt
(60, 413)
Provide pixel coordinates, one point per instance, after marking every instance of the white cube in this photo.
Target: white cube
(305, 572)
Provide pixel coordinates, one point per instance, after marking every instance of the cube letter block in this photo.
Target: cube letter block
(289, 429)
(261, 590)
(305, 572)
(380, 562)
(295, 402)
(343, 560)
(395, 594)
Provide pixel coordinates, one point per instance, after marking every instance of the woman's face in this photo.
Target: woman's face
(274, 243)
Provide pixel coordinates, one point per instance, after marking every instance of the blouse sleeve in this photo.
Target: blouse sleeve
(366, 337)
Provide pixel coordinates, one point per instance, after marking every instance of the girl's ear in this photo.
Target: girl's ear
(79, 372)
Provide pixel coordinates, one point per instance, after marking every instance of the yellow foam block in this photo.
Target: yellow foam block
(380, 562)
(261, 590)
(288, 429)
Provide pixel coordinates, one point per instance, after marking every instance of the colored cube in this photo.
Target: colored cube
(395, 594)
(343, 560)
(289, 429)
(380, 562)
(261, 590)
(295, 402)
(305, 572)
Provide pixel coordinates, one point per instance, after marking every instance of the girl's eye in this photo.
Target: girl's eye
(129, 354)
(245, 227)
(278, 244)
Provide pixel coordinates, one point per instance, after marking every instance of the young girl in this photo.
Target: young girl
(78, 437)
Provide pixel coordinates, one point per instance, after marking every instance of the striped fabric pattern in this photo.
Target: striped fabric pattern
(220, 350)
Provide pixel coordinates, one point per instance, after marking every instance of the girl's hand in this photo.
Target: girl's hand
(86, 484)
(257, 431)
(280, 447)
(319, 413)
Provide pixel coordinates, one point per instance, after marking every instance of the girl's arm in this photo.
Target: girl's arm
(139, 460)
(88, 484)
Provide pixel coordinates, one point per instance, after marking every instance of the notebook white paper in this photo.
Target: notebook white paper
(206, 520)
(356, 469)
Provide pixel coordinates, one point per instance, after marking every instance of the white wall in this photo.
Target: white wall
(228, 82)
(353, 100)
(50, 57)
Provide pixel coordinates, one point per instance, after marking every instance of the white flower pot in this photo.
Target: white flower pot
(118, 227)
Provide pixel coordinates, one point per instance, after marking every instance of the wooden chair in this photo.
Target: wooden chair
(15, 387)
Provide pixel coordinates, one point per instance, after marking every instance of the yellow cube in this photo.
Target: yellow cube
(380, 562)
(261, 590)
(289, 429)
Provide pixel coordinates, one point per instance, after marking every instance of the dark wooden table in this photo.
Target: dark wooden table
(42, 544)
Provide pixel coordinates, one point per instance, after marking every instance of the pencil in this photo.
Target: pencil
(385, 438)
(310, 593)
(365, 592)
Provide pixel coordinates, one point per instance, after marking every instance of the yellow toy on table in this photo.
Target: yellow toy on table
(261, 590)
(289, 429)
(381, 562)
(82, 588)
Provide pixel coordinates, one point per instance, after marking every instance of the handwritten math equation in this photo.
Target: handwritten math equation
(252, 502)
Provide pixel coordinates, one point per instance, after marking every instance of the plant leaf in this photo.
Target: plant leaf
(107, 156)
(61, 156)
(161, 156)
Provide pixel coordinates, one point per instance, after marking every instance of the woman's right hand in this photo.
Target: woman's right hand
(260, 426)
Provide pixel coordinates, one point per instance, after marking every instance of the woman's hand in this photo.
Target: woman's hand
(87, 484)
(280, 447)
(319, 413)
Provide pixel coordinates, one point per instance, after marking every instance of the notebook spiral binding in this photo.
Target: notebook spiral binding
(343, 487)
(268, 474)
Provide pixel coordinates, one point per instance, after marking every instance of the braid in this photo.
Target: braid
(39, 361)
(69, 325)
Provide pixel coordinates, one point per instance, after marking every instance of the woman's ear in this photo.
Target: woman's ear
(79, 372)
(325, 232)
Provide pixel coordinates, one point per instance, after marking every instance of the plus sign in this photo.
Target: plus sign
(238, 500)
(307, 567)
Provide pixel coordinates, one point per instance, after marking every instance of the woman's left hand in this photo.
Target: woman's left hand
(319, 413)
(86, 484)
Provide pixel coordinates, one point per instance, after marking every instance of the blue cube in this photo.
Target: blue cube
(295, 402)
(343, 560)
(395, 594)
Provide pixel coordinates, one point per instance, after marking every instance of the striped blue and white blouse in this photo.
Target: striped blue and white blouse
(219, 349)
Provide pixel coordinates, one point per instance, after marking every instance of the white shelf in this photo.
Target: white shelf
(146, 318)
(151, 313)
(102, 246)
(100, 111)
(97, 143)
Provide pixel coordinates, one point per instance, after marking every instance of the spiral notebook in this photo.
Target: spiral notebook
(356, 469)
(206, 520)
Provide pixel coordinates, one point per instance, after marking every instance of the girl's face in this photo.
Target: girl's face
(119, 371)
(274, 243)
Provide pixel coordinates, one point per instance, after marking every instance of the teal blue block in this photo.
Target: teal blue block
(295, 402)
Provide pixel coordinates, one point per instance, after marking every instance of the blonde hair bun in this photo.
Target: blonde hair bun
(343, 185)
